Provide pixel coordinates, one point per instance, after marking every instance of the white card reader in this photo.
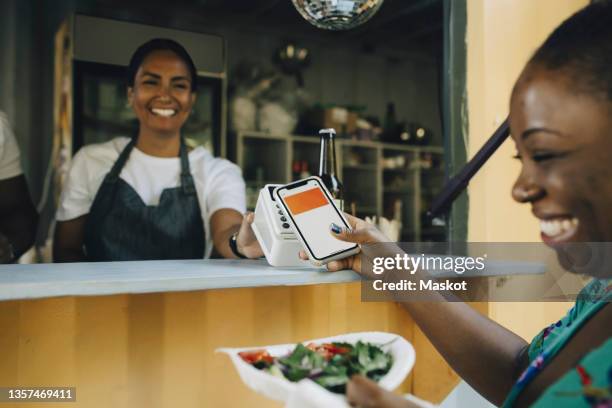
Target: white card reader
(274, 233)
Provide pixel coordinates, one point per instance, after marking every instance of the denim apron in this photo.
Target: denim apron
(121, 227)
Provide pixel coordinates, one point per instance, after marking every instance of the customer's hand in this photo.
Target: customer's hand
(246, 241)
(364, 393)
(360, 233)
(6, 251)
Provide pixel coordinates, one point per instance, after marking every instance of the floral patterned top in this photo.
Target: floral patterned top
(589, 384)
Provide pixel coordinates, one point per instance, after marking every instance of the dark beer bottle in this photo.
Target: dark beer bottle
(328, 170)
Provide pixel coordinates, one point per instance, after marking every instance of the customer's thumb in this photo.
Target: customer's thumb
(358, 236)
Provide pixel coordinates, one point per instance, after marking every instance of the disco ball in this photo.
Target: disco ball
(337, 14)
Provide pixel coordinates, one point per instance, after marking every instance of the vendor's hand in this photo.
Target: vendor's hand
(6, 252)
(246, 241)
(364, 393)
(361, 233)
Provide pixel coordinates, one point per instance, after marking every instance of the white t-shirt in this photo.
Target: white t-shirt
(218, 182)
(9, 151)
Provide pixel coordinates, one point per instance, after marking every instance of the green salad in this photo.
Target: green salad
(330, 365)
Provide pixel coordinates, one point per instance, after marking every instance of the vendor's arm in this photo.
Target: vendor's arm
(68, 240)
(18, 218)
(225, 223)
(226, 201)
(485, 354)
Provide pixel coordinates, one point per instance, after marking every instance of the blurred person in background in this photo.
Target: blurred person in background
(18, 217)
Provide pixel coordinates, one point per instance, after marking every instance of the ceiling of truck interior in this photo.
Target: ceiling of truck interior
(414, 25)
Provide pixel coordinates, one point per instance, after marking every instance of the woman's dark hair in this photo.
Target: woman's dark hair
(582, 47)
(161, 44)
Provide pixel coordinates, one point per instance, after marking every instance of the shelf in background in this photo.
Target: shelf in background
(427, 149)
(343, 141)
(261, 135)
(305, 139)
(360, 210)
(360, 167)
(361, 164)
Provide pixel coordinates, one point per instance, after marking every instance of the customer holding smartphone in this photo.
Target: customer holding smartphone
(561, 121)
(149, 196)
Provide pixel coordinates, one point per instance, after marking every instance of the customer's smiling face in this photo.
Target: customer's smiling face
(563, 136)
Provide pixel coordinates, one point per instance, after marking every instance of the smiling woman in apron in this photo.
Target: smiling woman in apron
(149, 197)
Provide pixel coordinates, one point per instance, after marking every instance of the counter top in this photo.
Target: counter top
(107, 278)
(32, 281)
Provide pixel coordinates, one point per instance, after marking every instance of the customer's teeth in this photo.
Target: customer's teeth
(163, 112)
(558, 226)
(567, 224)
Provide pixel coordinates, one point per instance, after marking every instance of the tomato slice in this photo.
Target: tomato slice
(327, 350)
(255, 356)
(333, 349)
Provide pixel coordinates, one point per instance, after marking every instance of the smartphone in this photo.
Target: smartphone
(310, 212)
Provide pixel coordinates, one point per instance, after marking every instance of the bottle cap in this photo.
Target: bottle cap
(330, 131)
